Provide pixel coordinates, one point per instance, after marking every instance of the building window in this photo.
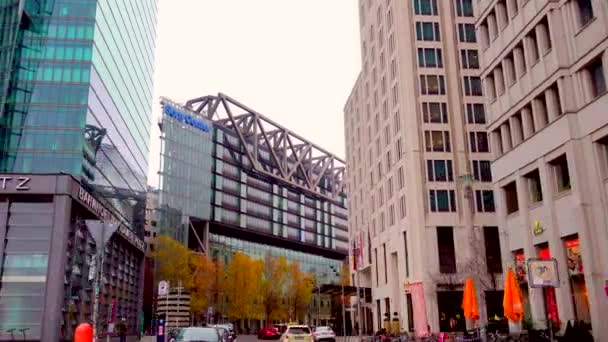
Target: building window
(396, 122)
(385, 266)
(511, 202)
(382, 221)
(400, 178)
(434, 112)
(439, 170)
(395, 94)
(482, 171)
(398, 149)
(469, 59)
(428, 31)
(479, 142)
(472, 86)
(597, 77)
(492, 244)
(476, 113)
(437, 141)
(485, 201)
(387, 135)
(393, 69)
(442, 200)
(402, 208)
(534, 186)
(391, 215)
(464, 8)
(425, 7)
(585, 11)
(380, 196)
(432, 85)
(562, 175)
(376, 264)
(406, 255)
(466, 33)
(390, 187)
(430, 58)
(602, 152)
(445, 246)
(369, 248)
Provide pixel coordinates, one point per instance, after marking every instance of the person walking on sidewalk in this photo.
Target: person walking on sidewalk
(121, 328)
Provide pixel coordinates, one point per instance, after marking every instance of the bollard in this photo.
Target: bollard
(83, 333)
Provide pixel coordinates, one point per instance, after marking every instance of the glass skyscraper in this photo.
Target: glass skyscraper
(75, 116)
(77, 75)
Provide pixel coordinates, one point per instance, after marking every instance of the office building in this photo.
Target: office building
(233, 180)
(75, 108)
(421, 203)
(544, 67)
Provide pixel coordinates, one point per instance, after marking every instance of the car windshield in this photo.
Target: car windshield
(198, 334)
(299, 330)
(323, 329)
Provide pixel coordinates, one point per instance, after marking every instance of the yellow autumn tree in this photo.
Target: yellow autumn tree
(202, 284)
(195, 272)
(273, 288)
(299, 290)
(242, 285)
(172, 261)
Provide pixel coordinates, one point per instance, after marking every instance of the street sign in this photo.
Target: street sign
(163, 288)
(543, 273)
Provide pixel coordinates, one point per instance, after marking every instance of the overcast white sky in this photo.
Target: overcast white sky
(294, 61)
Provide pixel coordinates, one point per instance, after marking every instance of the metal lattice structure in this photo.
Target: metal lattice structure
(292, 158)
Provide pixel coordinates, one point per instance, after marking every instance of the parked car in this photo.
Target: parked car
(269, 333)
(230, 328)
(224, 333)
(197, 334)
(281, 327)
(300, 333)
(324, 334)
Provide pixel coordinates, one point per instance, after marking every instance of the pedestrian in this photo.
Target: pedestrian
(121, 327)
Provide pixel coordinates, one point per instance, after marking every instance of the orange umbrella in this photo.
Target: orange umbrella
(469, 300)
(512, 301)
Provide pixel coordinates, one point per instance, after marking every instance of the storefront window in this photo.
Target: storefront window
(549, 292)
(578, 287)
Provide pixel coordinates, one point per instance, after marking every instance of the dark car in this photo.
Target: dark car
(269, 333)
(195, 334)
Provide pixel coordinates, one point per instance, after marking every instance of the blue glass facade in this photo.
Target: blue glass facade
(70, 64)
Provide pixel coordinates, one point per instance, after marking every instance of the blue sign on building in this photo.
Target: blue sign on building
(185, 118)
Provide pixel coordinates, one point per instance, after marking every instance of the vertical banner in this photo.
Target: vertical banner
(420, 320)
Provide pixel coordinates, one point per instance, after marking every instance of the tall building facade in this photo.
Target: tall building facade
(232, 180)
(75, 109)
(544, 66)
(421, 203)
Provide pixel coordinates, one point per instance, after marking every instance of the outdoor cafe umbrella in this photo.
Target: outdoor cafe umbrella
(512, 301)
(469, 300)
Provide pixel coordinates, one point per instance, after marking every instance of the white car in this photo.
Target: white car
(324, 334)
(297, 333)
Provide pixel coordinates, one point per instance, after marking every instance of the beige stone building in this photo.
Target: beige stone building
(544, 68)
(420, 188)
